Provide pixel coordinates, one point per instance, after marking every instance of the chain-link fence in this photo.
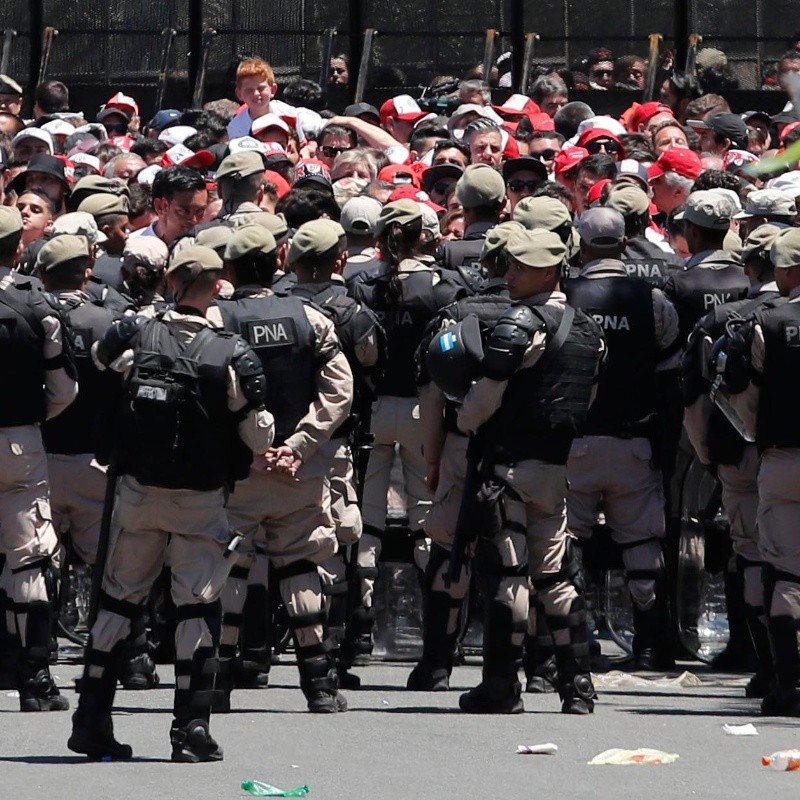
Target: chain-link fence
(110, 44)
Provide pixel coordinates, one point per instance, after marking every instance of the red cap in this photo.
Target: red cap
(542, 122)
(272, 149)
(516, 106)
(123, 142)
(568, 159)
(390, 174)
(403, 107)
(281, 184)
(646, 110)
(123, 102)
(792, 126)
(599, 133)
(681, 160)
(180, 155)
(596, 192)
(511, 150)
(311, 168)
(69, 169)
(408, 192)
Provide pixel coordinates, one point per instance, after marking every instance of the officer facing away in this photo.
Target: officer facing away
(318, 267)
(284, 503)
(635, 405)
(445, 449)
(719, 445)
(34, 350)
(768, 408)
(540, 368)
(193, 414)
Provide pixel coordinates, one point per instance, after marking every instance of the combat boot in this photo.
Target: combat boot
(251, 670)
(495, 694)
(319, 681)
(651, 644)
(738, 655)
(784, 699)
(432, 673)
(138, 669)
(37, 691)
(575, 686)
(539, 660)
(92, 727)
(763, 682)
(193, 743)
(499, 691)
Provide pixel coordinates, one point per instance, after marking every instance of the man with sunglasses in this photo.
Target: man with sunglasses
(522, 176)
(544, 145)
(335, 139)
(601, 68)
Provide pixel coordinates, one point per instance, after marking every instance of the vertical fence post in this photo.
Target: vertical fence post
(355, 13)
(195, 43)
(35, 30)
(517, 23)
(682, 15)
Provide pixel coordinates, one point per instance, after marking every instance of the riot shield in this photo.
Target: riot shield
(701, 611)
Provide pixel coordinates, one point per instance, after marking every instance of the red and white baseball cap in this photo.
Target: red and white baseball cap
(33, 133)
(568, 158)
(680, 160)
(242, 143)
(124, 103)
(518, 105)
(87, 160)
(267, 121)
(274, 153)
(177, 134)
(58, 127)
(403, 107)
(123, 142)
(400, 175)
(181, 156)
(409, 192)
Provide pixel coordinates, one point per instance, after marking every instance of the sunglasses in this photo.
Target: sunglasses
(545, 155)
(522, 186)
(116, 127)
(594, 147)
(332, 152)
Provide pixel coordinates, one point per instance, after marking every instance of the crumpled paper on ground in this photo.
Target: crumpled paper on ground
(741, 730)
(616, 679)
(546, 749)
(623, 758)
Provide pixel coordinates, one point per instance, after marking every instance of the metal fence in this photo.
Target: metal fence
(108, 44)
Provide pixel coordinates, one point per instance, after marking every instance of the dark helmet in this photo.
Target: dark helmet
(455, 356)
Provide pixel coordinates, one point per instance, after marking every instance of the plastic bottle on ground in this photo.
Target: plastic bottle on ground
(783, 760)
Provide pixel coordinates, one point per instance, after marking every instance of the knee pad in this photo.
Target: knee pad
(210, 613)
(492, 568)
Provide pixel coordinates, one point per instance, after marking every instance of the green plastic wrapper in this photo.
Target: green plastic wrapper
(258, 789)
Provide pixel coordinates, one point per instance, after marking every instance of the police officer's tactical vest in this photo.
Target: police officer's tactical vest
(645, 260)
(777, 422)
(626, 396)
(544, 407)
(353, 323)
(22, 401)
(178, 432)
(404, 308)
(279, 332)
(464, 257)
(725, 445)
(79, 428)
(488, 307)
(696, 291)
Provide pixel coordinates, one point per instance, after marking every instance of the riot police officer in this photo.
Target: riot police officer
(77, 480)
(35, 352)
(481, 192)
(285, 505)
(735, 461)
(445, 450)
(405, 291)
(318, 267)
(641, 257)
(193, 416)
(763, 362)
(631, 425)
(540, 368)
(713, 275)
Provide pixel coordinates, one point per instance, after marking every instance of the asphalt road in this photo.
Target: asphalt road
(400, 745)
